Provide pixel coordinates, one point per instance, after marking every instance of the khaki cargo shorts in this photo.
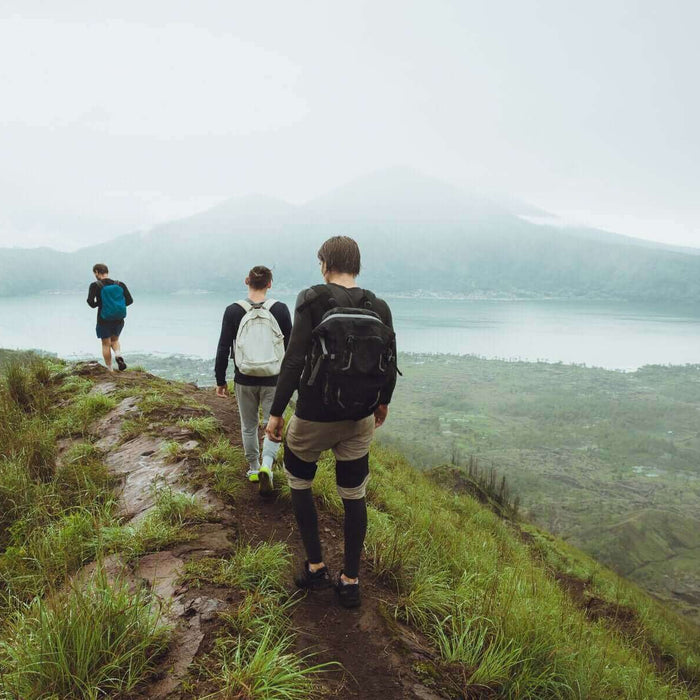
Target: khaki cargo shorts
(348, 439)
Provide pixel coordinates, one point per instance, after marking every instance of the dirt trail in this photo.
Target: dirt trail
(377, 654)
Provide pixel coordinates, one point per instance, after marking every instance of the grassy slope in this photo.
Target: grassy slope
(607, 459)
(503, 612)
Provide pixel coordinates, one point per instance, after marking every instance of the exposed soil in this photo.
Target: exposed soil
(623, 618)
(378, 657)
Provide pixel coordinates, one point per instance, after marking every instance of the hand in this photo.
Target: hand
(380, 415)
(274, 428)
(222, 391)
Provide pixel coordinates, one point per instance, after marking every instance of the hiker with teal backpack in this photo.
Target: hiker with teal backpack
(254, 333)
(110, 298)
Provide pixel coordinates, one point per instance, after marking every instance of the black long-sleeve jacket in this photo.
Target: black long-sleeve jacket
(297, 360)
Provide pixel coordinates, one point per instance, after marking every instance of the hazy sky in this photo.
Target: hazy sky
(116, 115)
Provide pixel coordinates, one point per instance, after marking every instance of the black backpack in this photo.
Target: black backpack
(352, 356)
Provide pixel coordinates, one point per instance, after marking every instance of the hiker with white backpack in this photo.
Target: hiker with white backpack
(254, 333)
(110, 298)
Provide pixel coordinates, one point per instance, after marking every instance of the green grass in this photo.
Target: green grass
(170, 522)
(225, 466)
(173, 451)
(586, 450)
(498, 620)
(50, 510)
(264, 666)
(264, 568)
(206, 427)
(85, 410)
(158, 398)
(49, 554)
(95, 640)
(134, 427)
(253, 656)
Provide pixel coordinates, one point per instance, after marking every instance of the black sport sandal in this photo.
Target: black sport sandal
(120, 363)
(313, 580)
(348, 593)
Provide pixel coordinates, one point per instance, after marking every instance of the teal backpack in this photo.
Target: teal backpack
(113, 302)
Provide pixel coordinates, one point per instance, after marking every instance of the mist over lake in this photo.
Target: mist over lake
(614, 335)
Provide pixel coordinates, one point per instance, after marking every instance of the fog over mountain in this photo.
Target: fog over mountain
(417, 235)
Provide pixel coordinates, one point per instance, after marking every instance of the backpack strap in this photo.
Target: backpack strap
(269, 303)
(321, 293)
(245, 305)
(368, 299)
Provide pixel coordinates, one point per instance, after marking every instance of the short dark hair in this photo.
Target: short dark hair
(259, 277)
(100, 268)
(341, 254)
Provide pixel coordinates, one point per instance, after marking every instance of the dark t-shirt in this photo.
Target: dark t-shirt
(297, 360)
(229, 329)
(94, 298)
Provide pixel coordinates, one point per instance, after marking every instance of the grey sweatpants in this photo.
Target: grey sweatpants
(250, 399)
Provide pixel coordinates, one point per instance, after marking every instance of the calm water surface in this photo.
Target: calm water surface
(605, 334)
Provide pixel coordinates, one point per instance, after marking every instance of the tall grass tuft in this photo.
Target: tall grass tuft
(94, 641)
(263, 667)
(253, 657)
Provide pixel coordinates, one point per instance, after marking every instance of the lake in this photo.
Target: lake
(614, 335)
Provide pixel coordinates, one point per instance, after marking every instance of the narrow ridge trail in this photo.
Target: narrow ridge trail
(377, 655)
(375, 652)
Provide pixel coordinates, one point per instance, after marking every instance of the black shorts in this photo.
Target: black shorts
(109, 329)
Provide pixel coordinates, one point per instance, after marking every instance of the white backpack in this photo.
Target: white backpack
(259, 345)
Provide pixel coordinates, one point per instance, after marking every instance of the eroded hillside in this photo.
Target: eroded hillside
(137, 563)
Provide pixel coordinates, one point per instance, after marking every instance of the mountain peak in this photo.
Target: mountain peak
(401, 194)
(252, 206)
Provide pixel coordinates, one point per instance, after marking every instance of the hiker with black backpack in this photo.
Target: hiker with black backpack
(342, 360)
(110, 298)
(254, 333)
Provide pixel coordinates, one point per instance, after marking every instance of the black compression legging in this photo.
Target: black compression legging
(355, 529)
